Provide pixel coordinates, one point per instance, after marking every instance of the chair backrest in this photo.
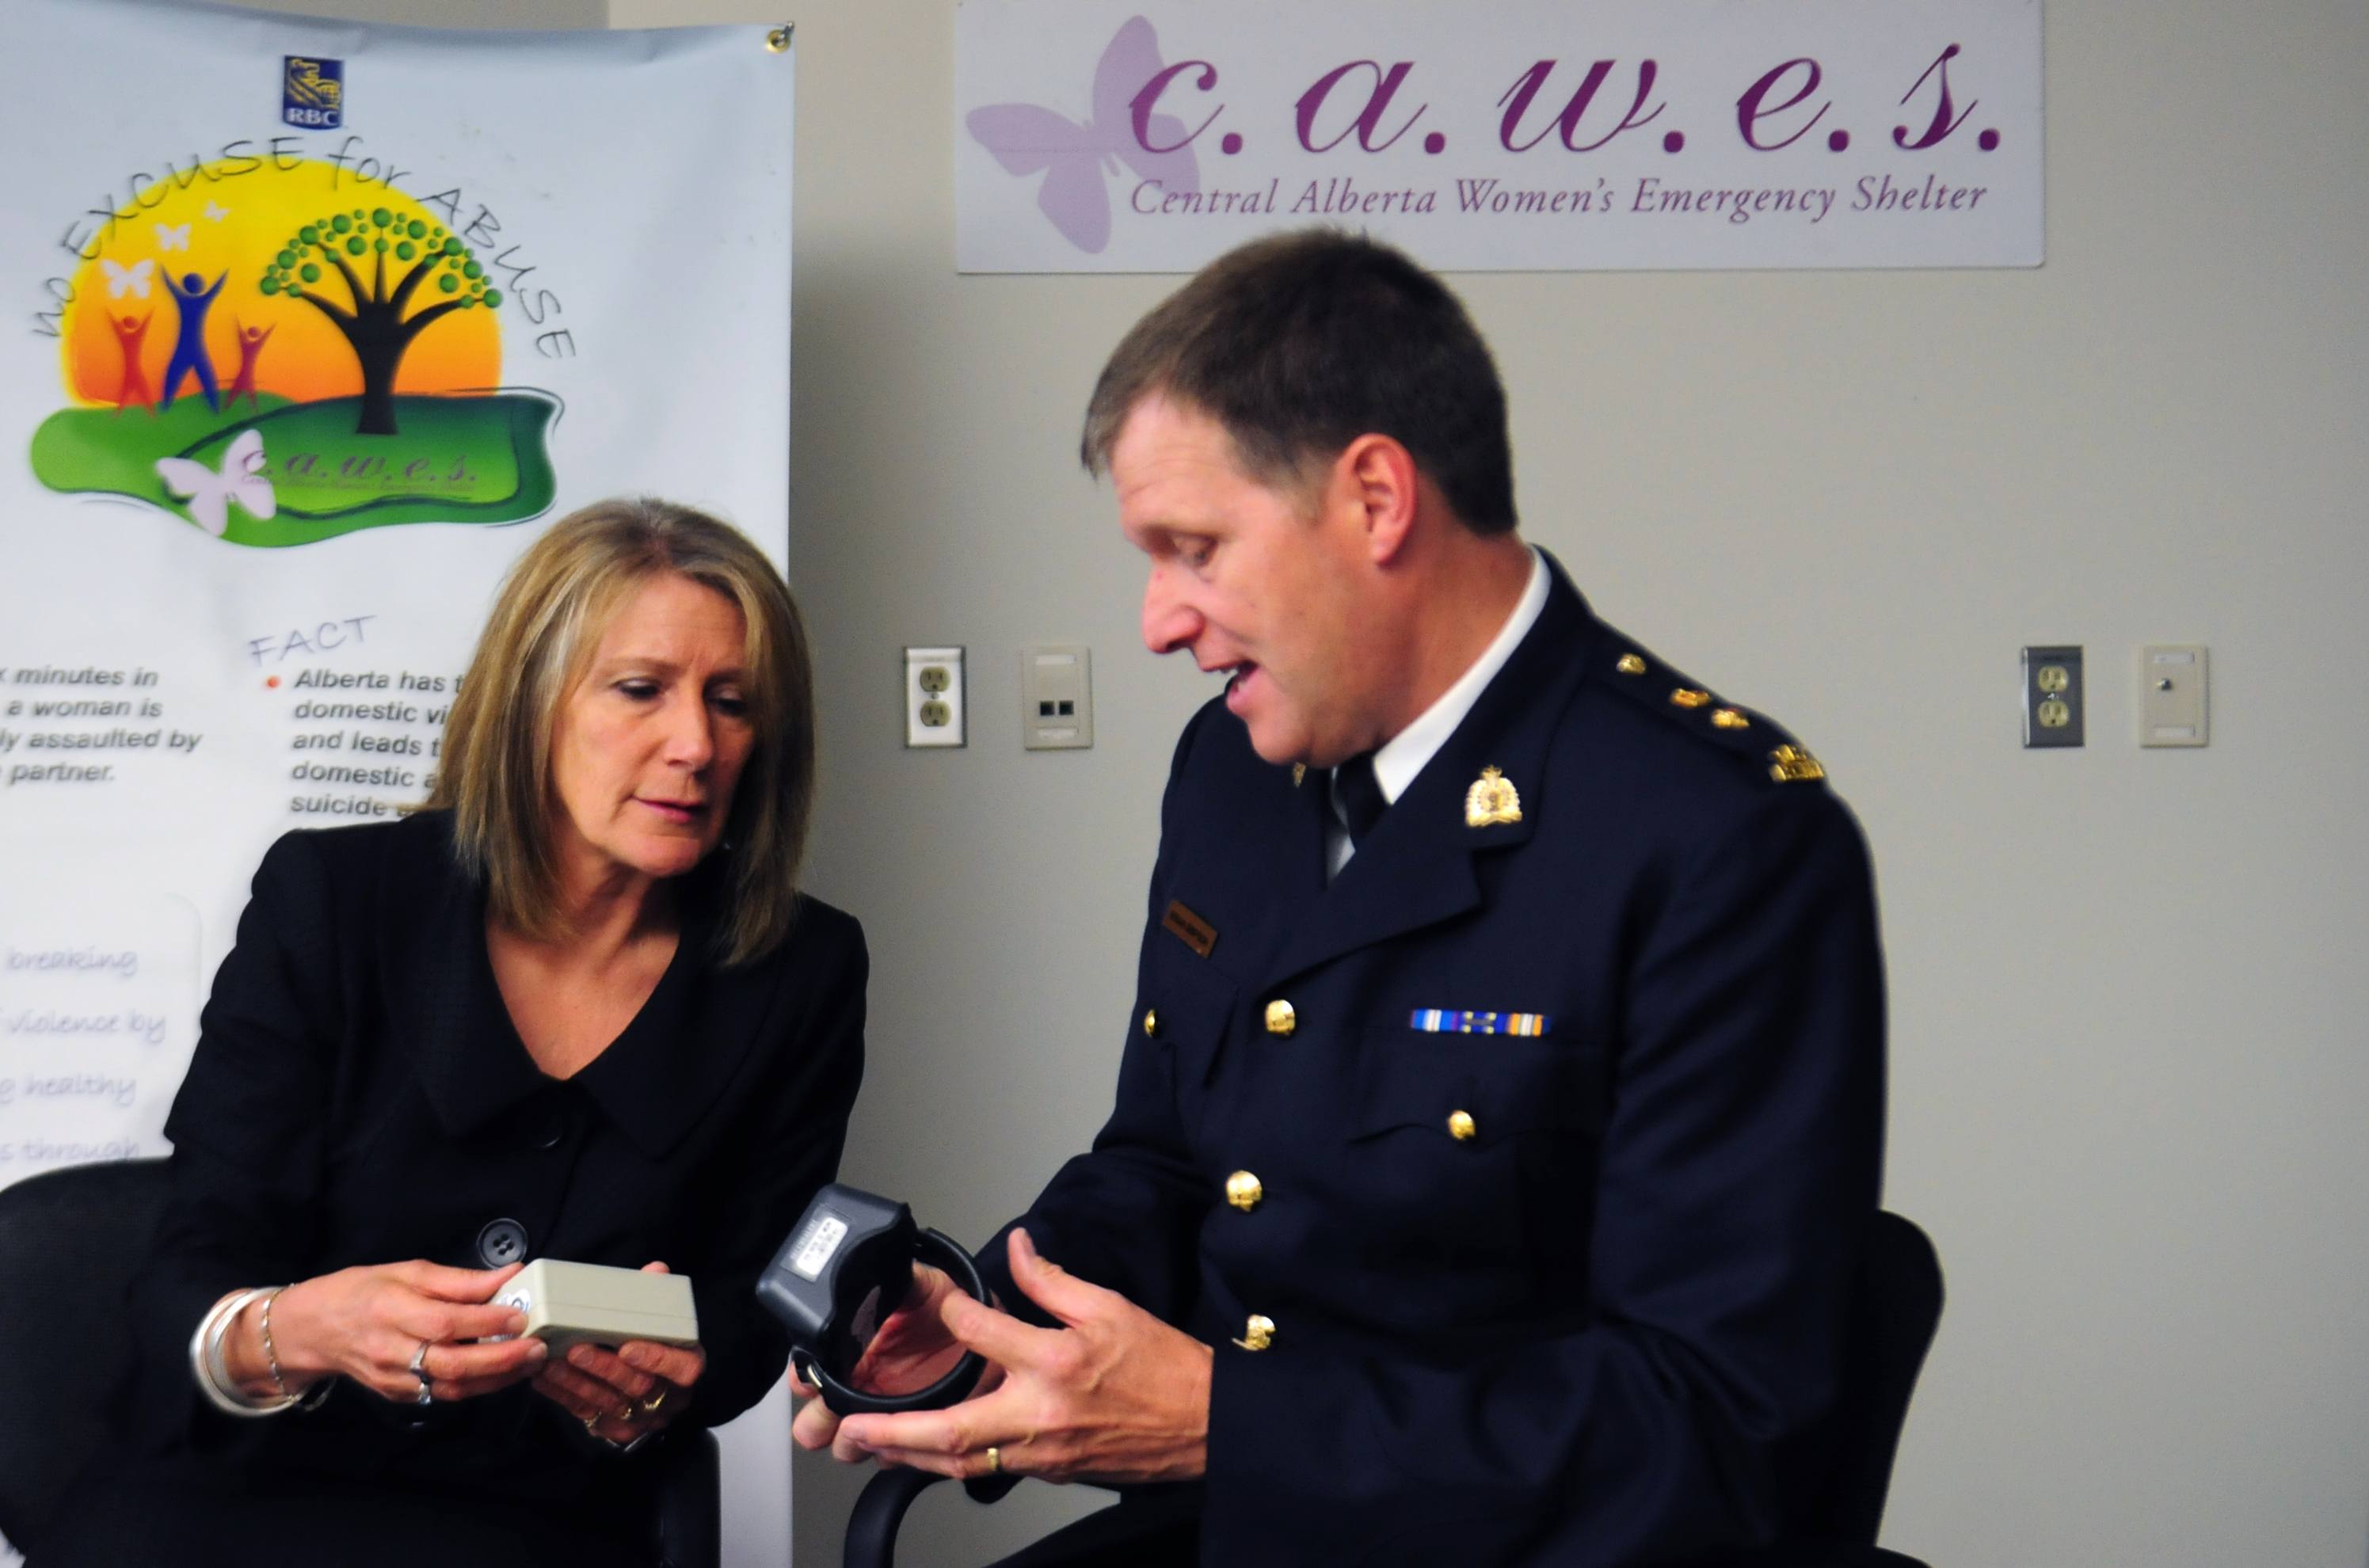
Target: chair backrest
(69, 1242)
(688, 1531)
(1898, 1309)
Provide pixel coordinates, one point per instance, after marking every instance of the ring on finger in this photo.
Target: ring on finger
(419, 1372)
(591, 1421)
(994, 1459)
(651, 1405)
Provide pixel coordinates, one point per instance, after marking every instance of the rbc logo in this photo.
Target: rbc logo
(312, 93)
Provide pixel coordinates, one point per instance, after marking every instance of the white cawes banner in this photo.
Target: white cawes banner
(1109, 136)
(255, 491)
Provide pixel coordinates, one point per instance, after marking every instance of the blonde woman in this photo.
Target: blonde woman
(573, 1008)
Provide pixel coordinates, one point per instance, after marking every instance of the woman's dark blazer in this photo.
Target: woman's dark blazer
(358, 1096)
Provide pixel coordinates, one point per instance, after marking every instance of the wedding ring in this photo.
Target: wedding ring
(651, 1405)
(420, 1371)
(994, 1459)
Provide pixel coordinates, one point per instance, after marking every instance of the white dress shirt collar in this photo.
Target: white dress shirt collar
(1404, 754)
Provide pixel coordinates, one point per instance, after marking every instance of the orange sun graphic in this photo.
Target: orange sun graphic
(264, 259)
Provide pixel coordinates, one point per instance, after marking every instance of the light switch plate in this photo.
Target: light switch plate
(2172, 689)
(934, 697)
(1057, 696)
(2053, 703)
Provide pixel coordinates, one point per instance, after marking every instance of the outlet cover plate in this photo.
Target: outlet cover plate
(933, 702)
(2054, 705)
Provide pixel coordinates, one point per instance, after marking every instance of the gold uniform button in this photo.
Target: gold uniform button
(1461, 1125)
(1689, 697)
(1280, 1018)
(1258, 1332)
(1244, 1190)
(1631, 665)
(1728, 718)
(1150, 1020)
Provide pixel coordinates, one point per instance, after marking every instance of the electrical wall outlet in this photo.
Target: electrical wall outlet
(1057, 697)
(933, 696)
(2052, 706)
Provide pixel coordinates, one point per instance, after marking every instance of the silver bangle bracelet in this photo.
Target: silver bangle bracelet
(311, 1398)
(271, 1351)
(213, 1367)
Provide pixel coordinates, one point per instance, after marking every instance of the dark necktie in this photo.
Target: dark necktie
(1359, 795)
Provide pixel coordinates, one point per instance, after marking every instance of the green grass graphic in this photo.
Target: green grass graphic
(481, 459)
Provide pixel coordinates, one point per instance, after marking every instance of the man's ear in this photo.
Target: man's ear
(1376, 475)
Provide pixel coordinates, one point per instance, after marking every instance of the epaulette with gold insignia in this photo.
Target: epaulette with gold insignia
(1736, 727)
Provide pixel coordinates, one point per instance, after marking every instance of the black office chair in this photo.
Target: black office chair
(69, 1242)
(1898, 1306)
(1897, 1310)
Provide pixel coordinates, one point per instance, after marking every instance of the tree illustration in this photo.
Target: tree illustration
(375, 322)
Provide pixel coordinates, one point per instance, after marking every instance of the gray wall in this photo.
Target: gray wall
(2128, 1074)
(2127, 1071)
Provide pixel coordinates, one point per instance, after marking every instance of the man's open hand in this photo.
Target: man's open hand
(1114, 1395)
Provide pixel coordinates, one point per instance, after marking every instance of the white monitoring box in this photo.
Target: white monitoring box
(571, 1303)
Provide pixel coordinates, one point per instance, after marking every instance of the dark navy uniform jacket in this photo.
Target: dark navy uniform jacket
(1569, 1297)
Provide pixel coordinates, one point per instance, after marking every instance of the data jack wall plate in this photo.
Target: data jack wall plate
(2053, 708)
(936, 712)
(2172, 688)
(1057, 697)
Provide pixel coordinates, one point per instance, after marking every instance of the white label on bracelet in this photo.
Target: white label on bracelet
(814, 1249)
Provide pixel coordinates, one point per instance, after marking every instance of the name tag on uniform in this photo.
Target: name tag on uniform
(1189, 928)
(1469, 1021)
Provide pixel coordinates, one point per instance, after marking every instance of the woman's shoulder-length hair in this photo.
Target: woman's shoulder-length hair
(493, 774)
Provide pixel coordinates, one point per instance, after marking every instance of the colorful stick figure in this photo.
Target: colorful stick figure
(250, 348)
(190, 356)
(129, 334)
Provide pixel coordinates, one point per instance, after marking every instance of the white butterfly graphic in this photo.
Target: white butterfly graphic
(131, 280)
(215, 213)
(210, 494)
(174, 236)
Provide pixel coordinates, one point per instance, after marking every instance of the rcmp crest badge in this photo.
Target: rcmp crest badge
(1493, 801)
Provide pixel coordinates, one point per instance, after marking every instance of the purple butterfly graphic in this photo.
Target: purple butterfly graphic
(1027, 139)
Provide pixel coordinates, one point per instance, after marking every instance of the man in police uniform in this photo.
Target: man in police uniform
(1500, 1118)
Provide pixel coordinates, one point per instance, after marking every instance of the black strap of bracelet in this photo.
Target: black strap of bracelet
(940, 1251)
